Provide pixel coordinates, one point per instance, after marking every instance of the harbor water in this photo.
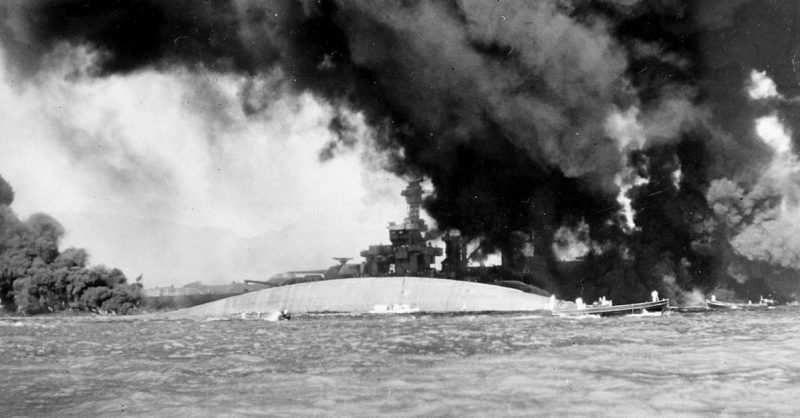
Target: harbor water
(686, 364)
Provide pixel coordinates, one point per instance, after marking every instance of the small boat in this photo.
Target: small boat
(717, 305)
(393, 309)
(632, 308)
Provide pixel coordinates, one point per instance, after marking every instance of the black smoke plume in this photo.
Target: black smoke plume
(528, 117)
(36, 277)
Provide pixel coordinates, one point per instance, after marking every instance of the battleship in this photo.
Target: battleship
(399, 274)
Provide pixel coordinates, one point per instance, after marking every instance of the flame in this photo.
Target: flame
(762, 87)
(627, 181)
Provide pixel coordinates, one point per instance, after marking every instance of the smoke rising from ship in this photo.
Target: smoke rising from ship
(651, 125)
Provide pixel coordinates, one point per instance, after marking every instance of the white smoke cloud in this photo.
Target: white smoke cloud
(570, 244)
(624, 127)
(773, 235)
(142, 168)
(775, 134)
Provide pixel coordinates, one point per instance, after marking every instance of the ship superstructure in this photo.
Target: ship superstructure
(410, 252)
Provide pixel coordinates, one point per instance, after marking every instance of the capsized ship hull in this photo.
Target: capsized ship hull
(362, 295)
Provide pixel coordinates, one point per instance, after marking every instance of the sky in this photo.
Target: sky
(159, 179)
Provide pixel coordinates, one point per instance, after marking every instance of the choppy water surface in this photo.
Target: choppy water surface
(737, 363)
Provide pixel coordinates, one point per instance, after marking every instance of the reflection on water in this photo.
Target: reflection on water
(729, 363)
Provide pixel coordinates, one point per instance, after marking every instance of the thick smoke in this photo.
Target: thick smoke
(632, 120)
(36, 277)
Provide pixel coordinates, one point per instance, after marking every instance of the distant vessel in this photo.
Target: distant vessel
(714, 304)
(396, 308)
(717, 305)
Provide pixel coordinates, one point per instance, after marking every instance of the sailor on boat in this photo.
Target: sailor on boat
(284, 316)
(602, 302)
(606, 307)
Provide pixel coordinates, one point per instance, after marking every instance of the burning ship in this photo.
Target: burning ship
(411, 253)
(400, 274)
(618, 128)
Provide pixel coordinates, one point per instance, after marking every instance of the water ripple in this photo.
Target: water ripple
(742, 363)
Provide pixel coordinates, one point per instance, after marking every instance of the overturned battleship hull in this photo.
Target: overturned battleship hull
(362, 295)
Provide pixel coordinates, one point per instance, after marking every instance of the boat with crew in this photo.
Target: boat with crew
(714, 304)
(606, 308)
(631, 308)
